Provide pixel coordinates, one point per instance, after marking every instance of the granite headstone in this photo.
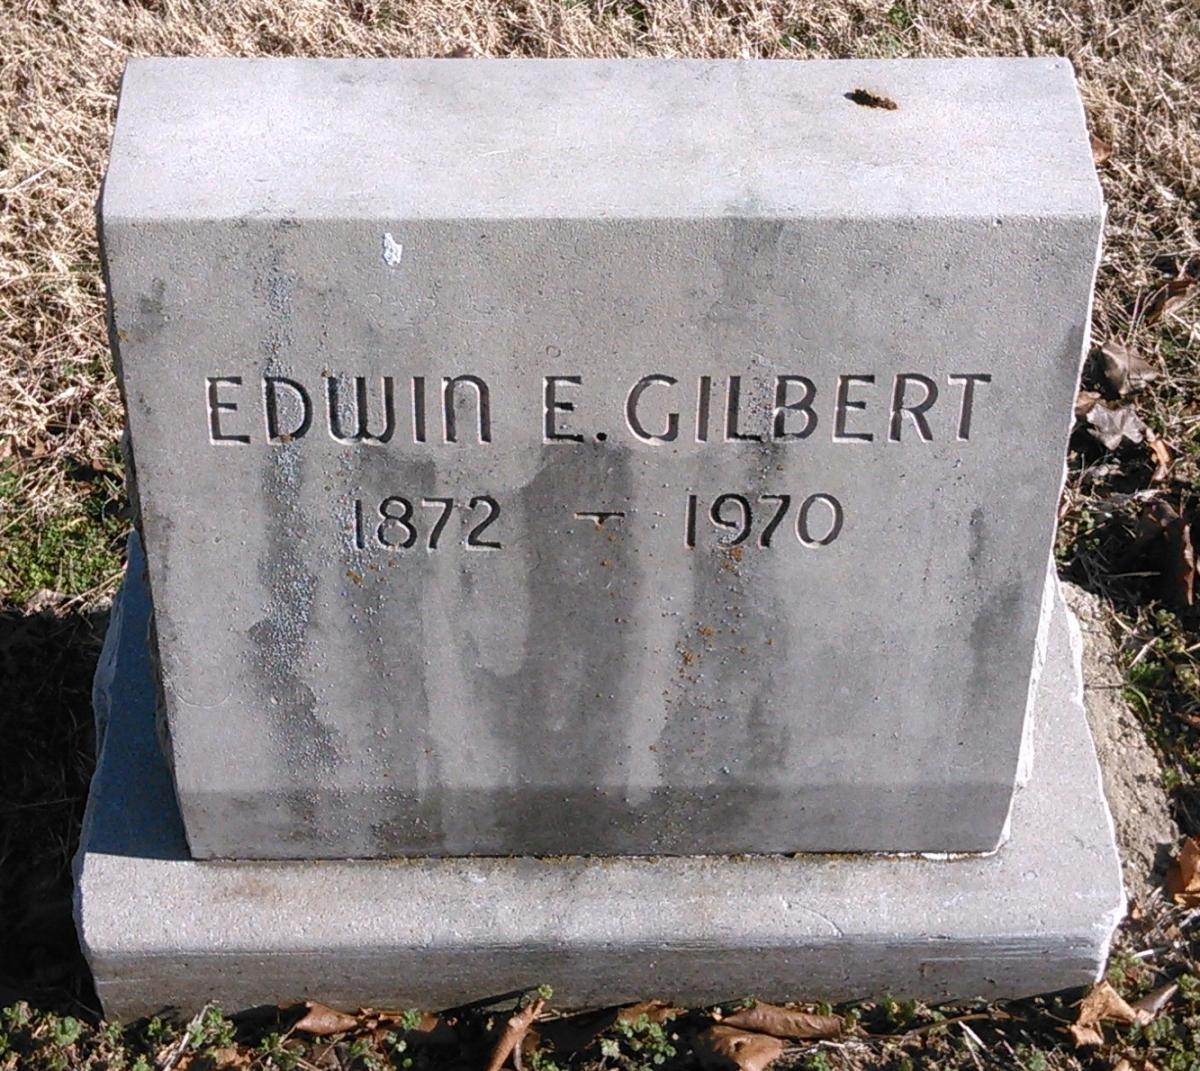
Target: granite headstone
(647, 457)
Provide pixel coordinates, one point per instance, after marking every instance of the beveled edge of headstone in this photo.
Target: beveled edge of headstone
(159, 928)
(404, 139)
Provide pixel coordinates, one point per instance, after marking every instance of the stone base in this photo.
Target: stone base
(160, 929)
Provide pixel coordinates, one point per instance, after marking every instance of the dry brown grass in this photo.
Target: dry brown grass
(1138, 63)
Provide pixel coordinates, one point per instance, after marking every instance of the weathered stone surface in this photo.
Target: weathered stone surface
(160, 928)
(725, 279)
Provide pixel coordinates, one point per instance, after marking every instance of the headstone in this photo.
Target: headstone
(618, 458)
(590, 459)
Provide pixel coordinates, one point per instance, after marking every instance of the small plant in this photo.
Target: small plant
(641, 1045)
(363, 1055)
(276, 1054)
(816, 1061)
(410, 1020)
(542, 992)
(160, 1031)
(210, 1030)
(541, 1060)
(1032, 1059)
(398, 1048)
(900, 1013)
(63, 1031)
(17, 1016)
(900, 17)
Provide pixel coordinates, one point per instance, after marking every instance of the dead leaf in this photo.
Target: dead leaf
(1123, 368)
(514, 1031)
(462, 52)
(1101, 151)
(1165, 539)
(867, 99)
(1084, 401)
(1103, 1004)
(655, 1011)
(231, 1059)
(1111, 426)
(320, 1021)
(1152, 1003)
(725, 1048)
(1183, 879)
(1162, 458)
(784, 1022)
(1084, 1036)
(1179, 565)
(1125, 1064)
(48, 601)
(1170, 298)
(431, 1028)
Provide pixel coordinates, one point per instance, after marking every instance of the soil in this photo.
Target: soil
(1133, 776)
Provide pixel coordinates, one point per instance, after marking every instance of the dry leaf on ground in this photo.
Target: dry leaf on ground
(1124, 369)
(1164, 538)
(1161, 453)
(1183, 879)
(514, 1031)
(784, 1022)
(1179, 566)
(725, 1048)
(1170, 298)
(431, 1028)
(1101, 151)
(1103, 1004)
(1113, 425)
(320, 1021)
(655, 1011)
(1084, 401)
(1152, 1003)
(1124, 1064)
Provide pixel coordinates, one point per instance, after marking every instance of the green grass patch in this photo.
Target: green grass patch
(77, 551)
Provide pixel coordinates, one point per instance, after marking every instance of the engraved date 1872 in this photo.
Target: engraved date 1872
(397, 523)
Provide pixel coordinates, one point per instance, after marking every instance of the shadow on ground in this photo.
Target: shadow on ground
(47, 659)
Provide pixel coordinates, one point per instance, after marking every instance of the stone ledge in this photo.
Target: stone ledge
(161, 929)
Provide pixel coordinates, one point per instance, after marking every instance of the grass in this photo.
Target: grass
(62, 510)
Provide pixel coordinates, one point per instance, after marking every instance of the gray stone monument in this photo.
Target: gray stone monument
(651, 463)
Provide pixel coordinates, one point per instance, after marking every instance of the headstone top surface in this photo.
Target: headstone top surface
(620, 139)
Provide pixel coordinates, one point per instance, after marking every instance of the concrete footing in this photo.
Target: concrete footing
(161, 929)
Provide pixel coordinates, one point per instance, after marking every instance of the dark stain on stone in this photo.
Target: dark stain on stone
(280, 650)
(386, 675)
(727, 720)
(558, 713)
(150, 318)
(279, 646)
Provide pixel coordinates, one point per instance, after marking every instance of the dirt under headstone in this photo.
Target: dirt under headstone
(1146, 832)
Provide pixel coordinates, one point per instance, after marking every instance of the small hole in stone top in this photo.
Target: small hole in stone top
(867, 99)
(601, 436)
